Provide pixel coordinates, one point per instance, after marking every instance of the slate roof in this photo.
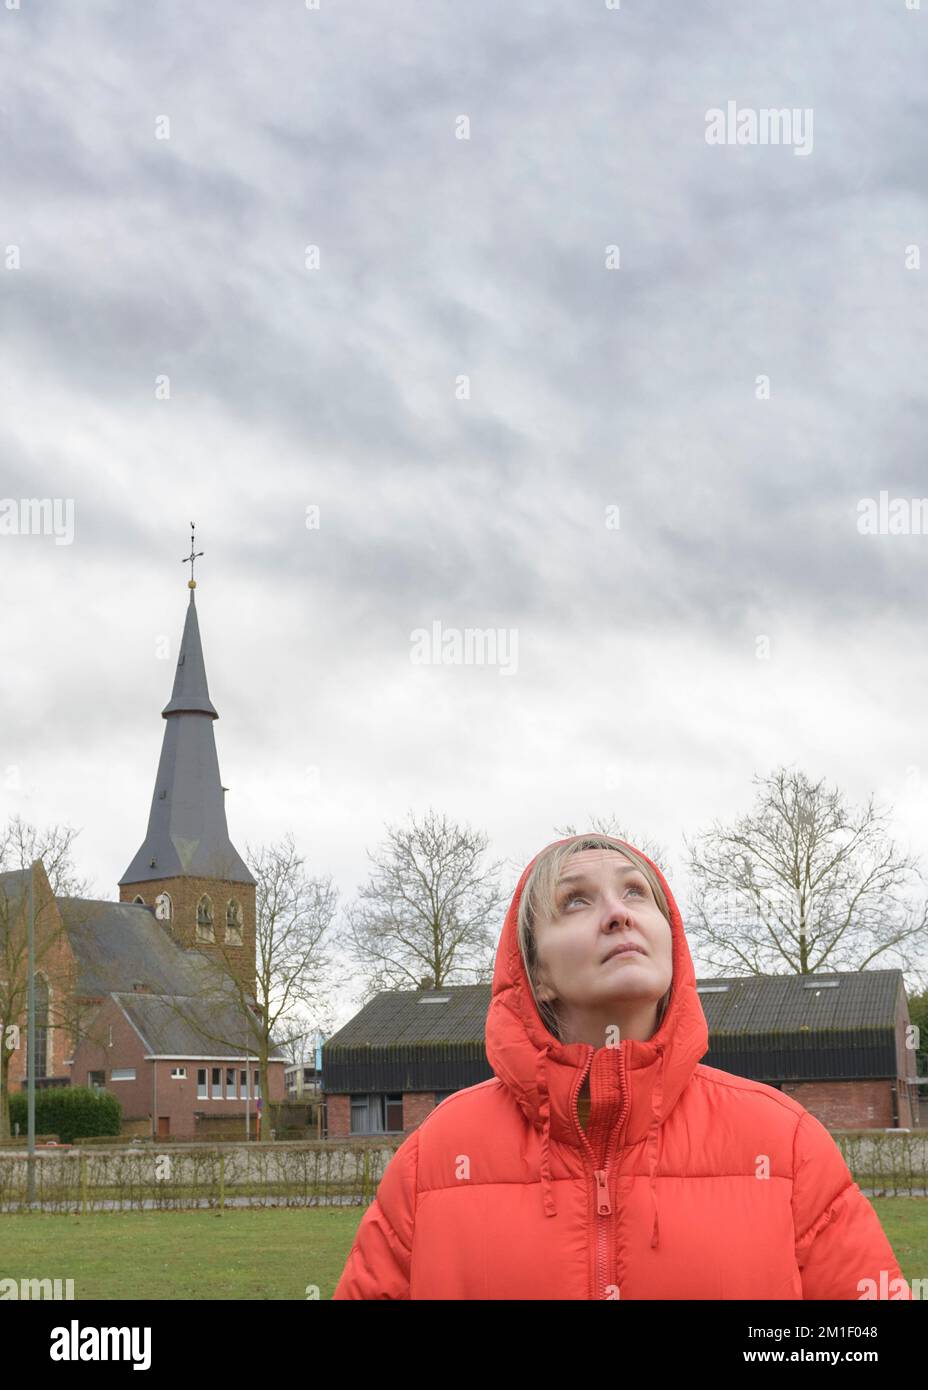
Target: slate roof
(842, 1001)
(748, 1005)
(118, 946)
(172, 1027)
(14, 885)
(398, 1018)
(187, 830)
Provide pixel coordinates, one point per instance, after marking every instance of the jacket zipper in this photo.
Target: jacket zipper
(601, 1175)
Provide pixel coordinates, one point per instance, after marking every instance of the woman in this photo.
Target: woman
(604, 1161)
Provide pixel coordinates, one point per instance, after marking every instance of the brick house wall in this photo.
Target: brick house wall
(171, 1105)
(837, 1104)
(906, 1068)
(845, 1104)
(416, 1105)
(112, 1043)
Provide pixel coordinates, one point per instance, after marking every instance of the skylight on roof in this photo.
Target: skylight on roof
(820, 984)
(435, 999)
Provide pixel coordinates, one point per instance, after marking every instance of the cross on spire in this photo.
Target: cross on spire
(189, 559)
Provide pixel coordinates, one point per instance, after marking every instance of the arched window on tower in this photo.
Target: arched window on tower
(138, 899)
(163, 909)
(205, 930)
(41, 1026)
(233, 923)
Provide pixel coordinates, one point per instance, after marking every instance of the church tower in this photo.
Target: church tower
(187, 868)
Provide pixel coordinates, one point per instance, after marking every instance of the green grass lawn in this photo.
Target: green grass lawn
(271, 1253)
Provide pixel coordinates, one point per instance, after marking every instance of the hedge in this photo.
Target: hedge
(71, 1112)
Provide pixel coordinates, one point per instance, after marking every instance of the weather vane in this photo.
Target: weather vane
(189, 559)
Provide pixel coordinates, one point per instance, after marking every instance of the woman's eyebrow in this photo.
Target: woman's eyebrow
(584, 878)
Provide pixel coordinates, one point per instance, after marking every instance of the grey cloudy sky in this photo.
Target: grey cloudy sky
(638, 689)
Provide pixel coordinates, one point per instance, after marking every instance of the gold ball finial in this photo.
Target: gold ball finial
(191, 583)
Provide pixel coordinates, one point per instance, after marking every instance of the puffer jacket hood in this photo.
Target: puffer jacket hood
(545, 1075)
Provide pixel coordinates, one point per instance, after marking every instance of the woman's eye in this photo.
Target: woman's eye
(636, 887)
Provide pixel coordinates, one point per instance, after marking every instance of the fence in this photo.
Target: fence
(317, 1174)
(218, 1176)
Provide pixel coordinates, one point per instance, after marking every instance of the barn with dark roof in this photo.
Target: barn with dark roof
(840, 1044)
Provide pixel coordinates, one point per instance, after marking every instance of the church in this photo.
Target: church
(153, 997)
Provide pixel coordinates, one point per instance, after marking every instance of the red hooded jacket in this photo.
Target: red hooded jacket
(689, 1182)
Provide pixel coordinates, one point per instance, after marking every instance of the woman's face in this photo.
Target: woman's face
(604, 902)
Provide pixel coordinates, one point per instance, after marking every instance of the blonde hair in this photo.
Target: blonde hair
(539, 901)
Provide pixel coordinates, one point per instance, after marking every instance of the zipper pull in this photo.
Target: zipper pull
(603, 1206)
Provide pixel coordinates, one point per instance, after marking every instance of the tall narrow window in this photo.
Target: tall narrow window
(202, 1093)
(217, 1083)
(41, 1026)
(205, 930)
(233, 923)
(163, 907)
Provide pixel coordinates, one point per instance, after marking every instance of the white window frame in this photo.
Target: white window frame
(123, 1074)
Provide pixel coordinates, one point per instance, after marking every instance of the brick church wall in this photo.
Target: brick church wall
(185, 893)
(54, 960)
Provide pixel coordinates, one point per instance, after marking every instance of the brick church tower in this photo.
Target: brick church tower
(187, 868)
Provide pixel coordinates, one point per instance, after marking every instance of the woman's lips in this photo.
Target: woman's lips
(625, 951)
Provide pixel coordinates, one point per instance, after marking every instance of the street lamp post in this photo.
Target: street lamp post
(30, 1047)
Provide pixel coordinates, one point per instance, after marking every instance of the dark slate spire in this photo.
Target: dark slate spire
(187, 831)
(190, 694)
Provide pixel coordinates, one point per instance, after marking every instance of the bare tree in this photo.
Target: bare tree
(21, 844)
(295, 972)
(429, 914)
(607, 825)
(804, 883)
(299, 1047)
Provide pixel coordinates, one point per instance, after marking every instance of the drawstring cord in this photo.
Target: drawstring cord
(544, 1110)
(654, 1138)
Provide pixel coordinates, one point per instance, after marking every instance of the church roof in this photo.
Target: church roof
(119, 945)
(168, 992)
(14, 884)
(172, 1027)
(187, 831)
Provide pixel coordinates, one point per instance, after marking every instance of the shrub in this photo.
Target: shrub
(71, 1112)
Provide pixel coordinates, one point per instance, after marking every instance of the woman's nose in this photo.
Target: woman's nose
(615, 913)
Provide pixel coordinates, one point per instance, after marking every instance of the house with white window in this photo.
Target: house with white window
(170, 1048)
